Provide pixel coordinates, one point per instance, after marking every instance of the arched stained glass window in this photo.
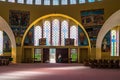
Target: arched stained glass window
(37, 35)
(64, 32)
(38, 2)
(1, 42)
(74, 34)
(55, 32)
(46, 32)
(113, 42)
(20, 1)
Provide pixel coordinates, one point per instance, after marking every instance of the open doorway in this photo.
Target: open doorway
(52, 55)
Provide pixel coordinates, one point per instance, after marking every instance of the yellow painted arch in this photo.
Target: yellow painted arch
(54, 15)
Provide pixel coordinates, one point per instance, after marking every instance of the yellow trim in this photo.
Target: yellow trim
(54, 15)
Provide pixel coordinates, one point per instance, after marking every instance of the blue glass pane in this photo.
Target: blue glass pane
(91, 0)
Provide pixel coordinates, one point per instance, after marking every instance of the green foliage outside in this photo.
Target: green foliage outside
(74, 56)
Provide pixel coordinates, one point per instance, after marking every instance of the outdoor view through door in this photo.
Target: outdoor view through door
(52, 57)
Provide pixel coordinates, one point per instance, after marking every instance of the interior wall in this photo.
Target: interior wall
(70, 10)
(109, 6)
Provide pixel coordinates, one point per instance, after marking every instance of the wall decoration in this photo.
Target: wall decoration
(106, 43)
(82, 39)
(92, 20)
(19, 20)
(29, 39)
(6, 43)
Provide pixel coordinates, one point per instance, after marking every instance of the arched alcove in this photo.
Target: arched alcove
(6, 28)
(54, 24)
(111, 22)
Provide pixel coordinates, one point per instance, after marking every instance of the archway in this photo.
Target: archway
(6, 28)
(111, 22)
(54, 20)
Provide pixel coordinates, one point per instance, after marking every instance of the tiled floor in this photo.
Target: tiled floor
(38, 71)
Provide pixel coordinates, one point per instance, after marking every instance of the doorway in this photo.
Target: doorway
(52, 55)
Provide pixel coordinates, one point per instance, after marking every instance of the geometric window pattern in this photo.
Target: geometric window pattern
(37, 35)
(64, 32)
(1, 42)
(115, 42)
(46, 32)
(74, 34)
(51, 2)
(55, 32)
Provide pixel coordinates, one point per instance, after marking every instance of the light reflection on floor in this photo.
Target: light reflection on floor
(56, 72)
(69, 68)
(24, 75)
(19, 75)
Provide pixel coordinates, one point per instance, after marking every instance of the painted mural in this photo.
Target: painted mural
(106, 43)
(19, 20)
(6, 43)
(92, 20)
(82, 39)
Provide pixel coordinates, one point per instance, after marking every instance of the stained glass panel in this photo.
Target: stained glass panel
(64, 32)
(37, 35)
(55, 32)
(46, 32)
(1, 42)
(74, 34)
